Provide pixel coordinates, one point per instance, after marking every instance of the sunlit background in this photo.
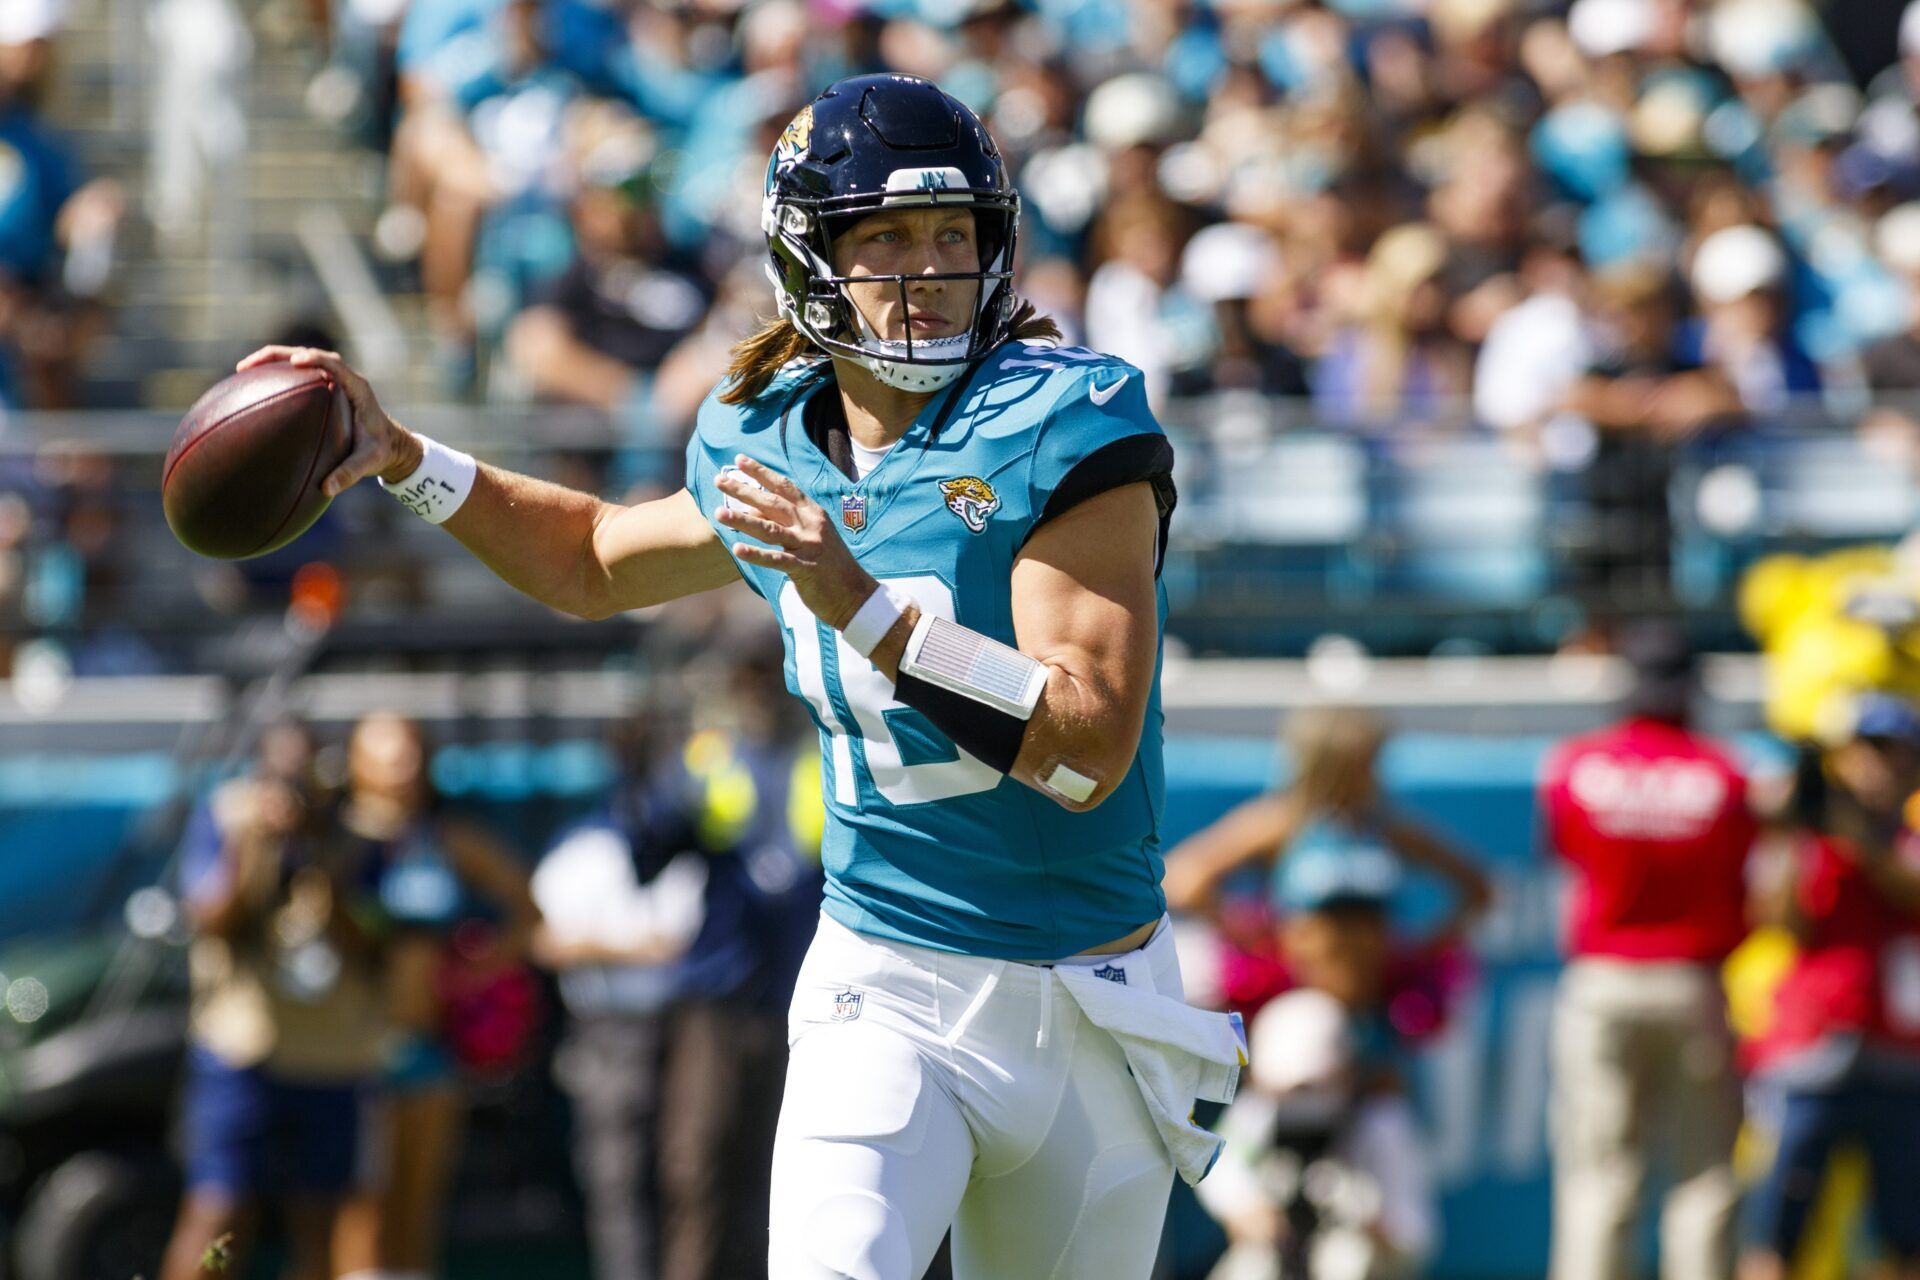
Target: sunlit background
(1479, 326)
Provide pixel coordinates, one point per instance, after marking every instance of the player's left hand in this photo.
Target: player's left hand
(800, 539)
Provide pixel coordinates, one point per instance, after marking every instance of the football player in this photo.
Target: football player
(959, 527)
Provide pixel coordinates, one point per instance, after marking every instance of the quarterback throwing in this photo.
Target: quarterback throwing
(958, 524)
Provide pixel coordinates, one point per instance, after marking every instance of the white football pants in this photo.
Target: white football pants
(928, 1090)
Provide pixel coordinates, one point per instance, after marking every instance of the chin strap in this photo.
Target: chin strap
(894, 369)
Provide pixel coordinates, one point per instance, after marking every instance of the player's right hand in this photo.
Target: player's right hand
(381, 446)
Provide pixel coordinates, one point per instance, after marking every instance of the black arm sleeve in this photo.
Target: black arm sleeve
(1128, 460)
(991, 737)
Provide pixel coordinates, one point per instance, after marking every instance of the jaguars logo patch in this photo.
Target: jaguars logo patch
(794, 140)
(972, 499)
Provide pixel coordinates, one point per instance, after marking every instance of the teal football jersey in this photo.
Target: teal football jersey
(924, 843)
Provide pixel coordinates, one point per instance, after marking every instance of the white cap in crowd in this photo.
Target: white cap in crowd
(1736, 261)
(378, 13)
(1910, 30)
(1753, 38)
(1604, 27)
(1897, 238)
(1136, 108)
(24, 21)
(1227, 261)
(1300, 1040)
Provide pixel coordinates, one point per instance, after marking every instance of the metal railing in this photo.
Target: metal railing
(1285, 530)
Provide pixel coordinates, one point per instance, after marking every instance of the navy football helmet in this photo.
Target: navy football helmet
(877, 141)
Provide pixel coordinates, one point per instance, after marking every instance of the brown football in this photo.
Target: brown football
(243, 475)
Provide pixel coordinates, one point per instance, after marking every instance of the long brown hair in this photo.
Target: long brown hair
(775, 344)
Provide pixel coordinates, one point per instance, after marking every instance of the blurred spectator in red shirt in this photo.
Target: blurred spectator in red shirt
(1652, 819)
(1840, 1061)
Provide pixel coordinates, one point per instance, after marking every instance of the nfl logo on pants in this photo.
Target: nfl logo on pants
(846, 1005)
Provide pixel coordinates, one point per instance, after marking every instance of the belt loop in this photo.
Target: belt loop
(974, 1006)
(1046, 1008)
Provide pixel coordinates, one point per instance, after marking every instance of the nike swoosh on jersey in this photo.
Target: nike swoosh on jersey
(1100, 395)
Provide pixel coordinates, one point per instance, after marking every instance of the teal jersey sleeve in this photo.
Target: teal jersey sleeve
(714, 445)
(1099, 434)
(721, 433)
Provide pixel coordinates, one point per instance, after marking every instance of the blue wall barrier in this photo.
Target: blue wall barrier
(1483, 1083)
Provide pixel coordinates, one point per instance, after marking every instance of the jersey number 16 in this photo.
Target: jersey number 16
(868, 696)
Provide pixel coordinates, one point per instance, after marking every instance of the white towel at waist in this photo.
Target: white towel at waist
(1178, 1054)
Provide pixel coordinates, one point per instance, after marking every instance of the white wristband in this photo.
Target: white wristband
(435, 489)
(869, 626)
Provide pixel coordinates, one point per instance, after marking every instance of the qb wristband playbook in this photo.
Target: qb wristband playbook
(435, 489)
(965, 662)
(977, 691)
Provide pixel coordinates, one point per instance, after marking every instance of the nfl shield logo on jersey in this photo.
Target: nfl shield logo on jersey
(1112, 973)
(853, 512)
(846, 1005)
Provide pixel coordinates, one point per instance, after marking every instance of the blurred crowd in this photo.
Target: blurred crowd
(1616, 235)
(57, 230)
(1606, 231)
(367, 958)
(1735, 1044)
(1646, 216)
(59, 244)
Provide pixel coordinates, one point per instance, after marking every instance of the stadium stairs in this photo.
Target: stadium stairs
(181, 315)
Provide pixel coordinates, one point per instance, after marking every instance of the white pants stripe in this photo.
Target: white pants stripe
(927, 1089)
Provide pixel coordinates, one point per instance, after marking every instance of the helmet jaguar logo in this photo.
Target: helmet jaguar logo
(972, 499)
(794, 140)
